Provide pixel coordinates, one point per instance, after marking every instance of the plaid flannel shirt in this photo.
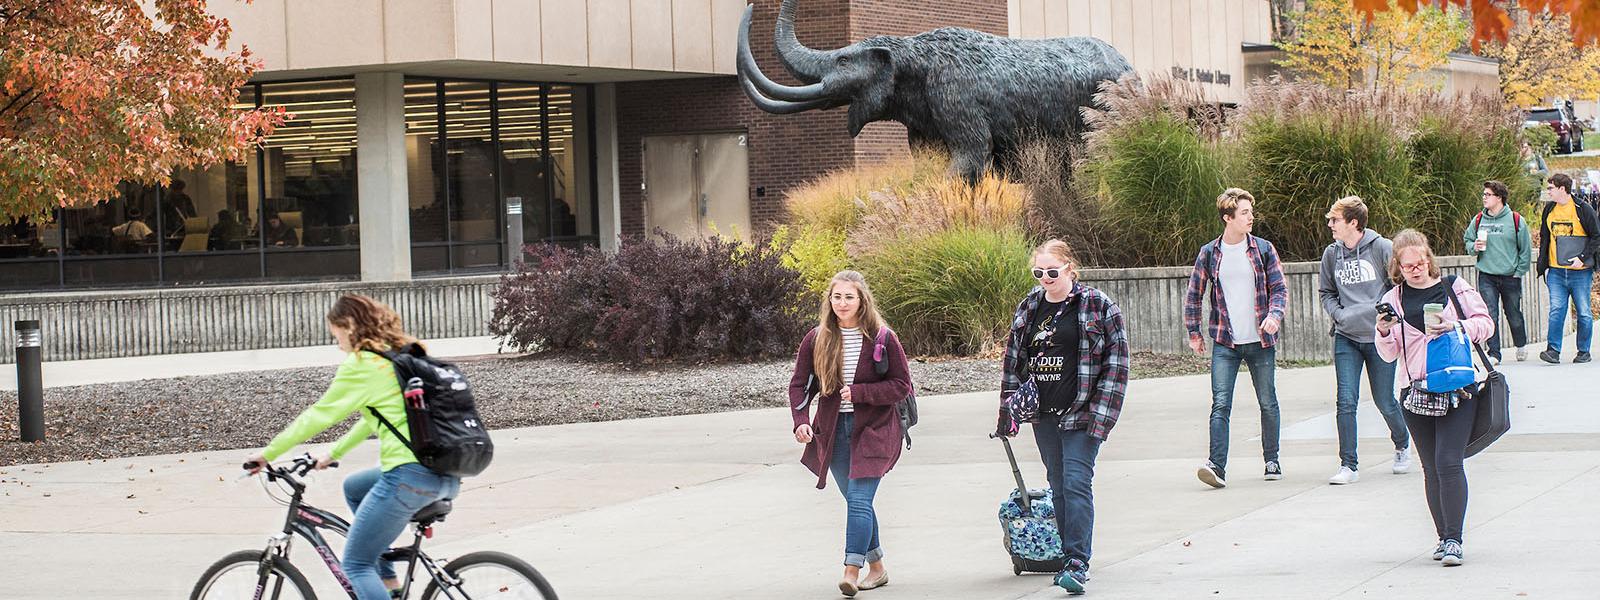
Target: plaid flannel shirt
(1102, 360)
(1272, 294)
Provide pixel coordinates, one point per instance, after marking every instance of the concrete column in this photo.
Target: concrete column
(609, 194)
(381, 177)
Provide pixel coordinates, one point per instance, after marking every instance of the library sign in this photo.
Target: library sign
(1203, 75)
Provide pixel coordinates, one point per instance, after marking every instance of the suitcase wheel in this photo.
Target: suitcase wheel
(1016, 565)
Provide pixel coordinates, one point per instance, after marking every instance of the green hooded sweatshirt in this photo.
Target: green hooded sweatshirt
(364, 379)
(1509, 249)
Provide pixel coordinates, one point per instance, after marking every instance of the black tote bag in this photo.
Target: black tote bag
(1491, 400)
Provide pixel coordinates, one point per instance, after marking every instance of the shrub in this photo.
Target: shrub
(951, 291)
(815, 253)
(654, 299)
(1058, 207)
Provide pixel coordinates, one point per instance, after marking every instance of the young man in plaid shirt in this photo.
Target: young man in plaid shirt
(1248, 295)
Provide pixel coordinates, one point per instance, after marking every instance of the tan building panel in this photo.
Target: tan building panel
(258, 26)
(1032, 21)
(1144, 34)
(1056, 17)
(1100, 20)
(566, 32)
(1236, 28)
(1013, 19)
(1078, 19)
(1161, 26)
(332, 34)
(517, 35)
(1122, 29)
(725, 16)
(652, 35)
(691, 35)
(1217, 37)
(415, 30)
(474, 20)
(610, 34)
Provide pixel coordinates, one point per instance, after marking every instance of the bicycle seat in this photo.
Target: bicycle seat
(432, 512)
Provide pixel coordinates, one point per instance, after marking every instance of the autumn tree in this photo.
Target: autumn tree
(1491, 19)
(1340, 47)
(1539, 60)
(93, 92)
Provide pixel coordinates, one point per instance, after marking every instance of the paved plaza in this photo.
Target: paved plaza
(717, 506)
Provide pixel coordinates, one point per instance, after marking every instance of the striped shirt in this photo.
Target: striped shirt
(852, 353)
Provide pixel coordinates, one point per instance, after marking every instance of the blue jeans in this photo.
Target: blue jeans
(1503, 289)
(1348, 358)
(861, 521)
(1225, 363)
(1564, 283)
(383, 502)
(1069, 465)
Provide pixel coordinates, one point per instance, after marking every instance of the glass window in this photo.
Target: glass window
(470, 175)
(571, 206)
(430, 222)
(308, 205)
(522, 156)
(114, 242)
(30, 253)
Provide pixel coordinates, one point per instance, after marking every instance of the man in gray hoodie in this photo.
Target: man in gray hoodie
(1354, 277)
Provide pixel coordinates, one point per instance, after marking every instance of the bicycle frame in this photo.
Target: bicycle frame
(307, 522)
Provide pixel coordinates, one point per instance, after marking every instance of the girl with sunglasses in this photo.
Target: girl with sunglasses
(1066, 372)
(856, 430)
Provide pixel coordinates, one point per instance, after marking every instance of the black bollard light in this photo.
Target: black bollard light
(30, 381)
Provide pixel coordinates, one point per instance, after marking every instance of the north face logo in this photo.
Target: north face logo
(1356, 271)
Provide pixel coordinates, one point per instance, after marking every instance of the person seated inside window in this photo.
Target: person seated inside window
(227, 234)
(279, 233)
(135, 229)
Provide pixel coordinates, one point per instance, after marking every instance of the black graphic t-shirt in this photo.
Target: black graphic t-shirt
(1053, 335)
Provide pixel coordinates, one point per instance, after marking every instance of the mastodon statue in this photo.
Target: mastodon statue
(971, 94)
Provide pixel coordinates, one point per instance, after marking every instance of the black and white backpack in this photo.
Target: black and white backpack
(446, 433)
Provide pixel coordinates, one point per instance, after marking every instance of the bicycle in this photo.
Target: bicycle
(267, 573)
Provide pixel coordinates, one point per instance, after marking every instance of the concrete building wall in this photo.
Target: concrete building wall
(1197, 39)
(683, 36)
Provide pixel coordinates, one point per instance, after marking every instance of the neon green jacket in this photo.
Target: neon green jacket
(364, 379)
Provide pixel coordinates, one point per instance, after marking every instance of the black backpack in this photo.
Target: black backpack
(446, 434)
(907, 408)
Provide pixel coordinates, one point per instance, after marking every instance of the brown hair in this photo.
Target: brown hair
(1229, 201)
(1561, 180)
(1498, 189)
(1406, 240)
(827, 351)
(1350, 208)
(373, 325)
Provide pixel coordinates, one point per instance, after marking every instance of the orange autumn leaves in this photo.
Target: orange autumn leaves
(95, 92)
(1491, 20)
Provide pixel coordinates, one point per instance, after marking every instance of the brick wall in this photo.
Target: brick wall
(785, 150)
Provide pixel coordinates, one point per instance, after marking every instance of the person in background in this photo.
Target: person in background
(1571, 236)
(1503, 245)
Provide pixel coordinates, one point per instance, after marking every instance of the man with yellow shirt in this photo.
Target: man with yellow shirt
(1570, 234)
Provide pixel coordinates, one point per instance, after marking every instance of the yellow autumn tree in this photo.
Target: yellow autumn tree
(1539, 61)
(1340, 47)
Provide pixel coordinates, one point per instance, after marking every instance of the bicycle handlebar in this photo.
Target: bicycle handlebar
(302, 464)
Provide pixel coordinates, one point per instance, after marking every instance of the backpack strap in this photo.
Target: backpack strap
(391, 354)
(396, 432)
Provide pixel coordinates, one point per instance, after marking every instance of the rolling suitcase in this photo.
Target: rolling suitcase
(1031, 537)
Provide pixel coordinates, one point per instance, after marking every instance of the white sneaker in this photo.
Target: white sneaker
(1494, 361)
(1522, 354)
(1402, 462)
(1344, 476)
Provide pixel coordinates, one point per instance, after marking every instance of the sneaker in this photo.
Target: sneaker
(1212, 475)
(1072, 580)
(1344, 476)
(1402, 462)
(1582, 357)
(1438, 551)
(1452, 553)
(1494, 360)
(1550, 356)
(1522, 354)
(1274, 472)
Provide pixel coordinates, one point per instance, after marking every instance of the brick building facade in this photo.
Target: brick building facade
(785, 150)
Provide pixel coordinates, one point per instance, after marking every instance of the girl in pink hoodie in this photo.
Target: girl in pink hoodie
(1441, 441)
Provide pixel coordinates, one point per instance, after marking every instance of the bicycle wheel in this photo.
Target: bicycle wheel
(237, 575)
(492, 575)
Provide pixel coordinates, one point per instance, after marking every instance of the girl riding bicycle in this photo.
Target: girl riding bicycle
(382, 499)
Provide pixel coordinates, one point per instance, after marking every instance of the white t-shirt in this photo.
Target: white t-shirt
(1238, 280)
(852, 354)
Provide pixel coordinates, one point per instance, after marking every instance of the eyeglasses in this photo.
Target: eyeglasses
(1051, 273)
(1416, 266)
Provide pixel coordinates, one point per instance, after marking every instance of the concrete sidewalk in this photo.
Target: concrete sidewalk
(111, 370)
(716, 505)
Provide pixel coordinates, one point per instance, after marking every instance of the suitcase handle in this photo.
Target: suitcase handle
(1024, 502)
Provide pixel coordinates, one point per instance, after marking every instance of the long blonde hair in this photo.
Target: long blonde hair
(827, 351)
(373, 325)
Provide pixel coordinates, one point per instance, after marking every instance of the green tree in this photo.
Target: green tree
(1338, 46)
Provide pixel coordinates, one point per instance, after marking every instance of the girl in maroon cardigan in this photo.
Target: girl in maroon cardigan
(856, 430)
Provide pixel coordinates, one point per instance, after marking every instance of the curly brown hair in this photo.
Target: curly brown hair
(373, 325)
